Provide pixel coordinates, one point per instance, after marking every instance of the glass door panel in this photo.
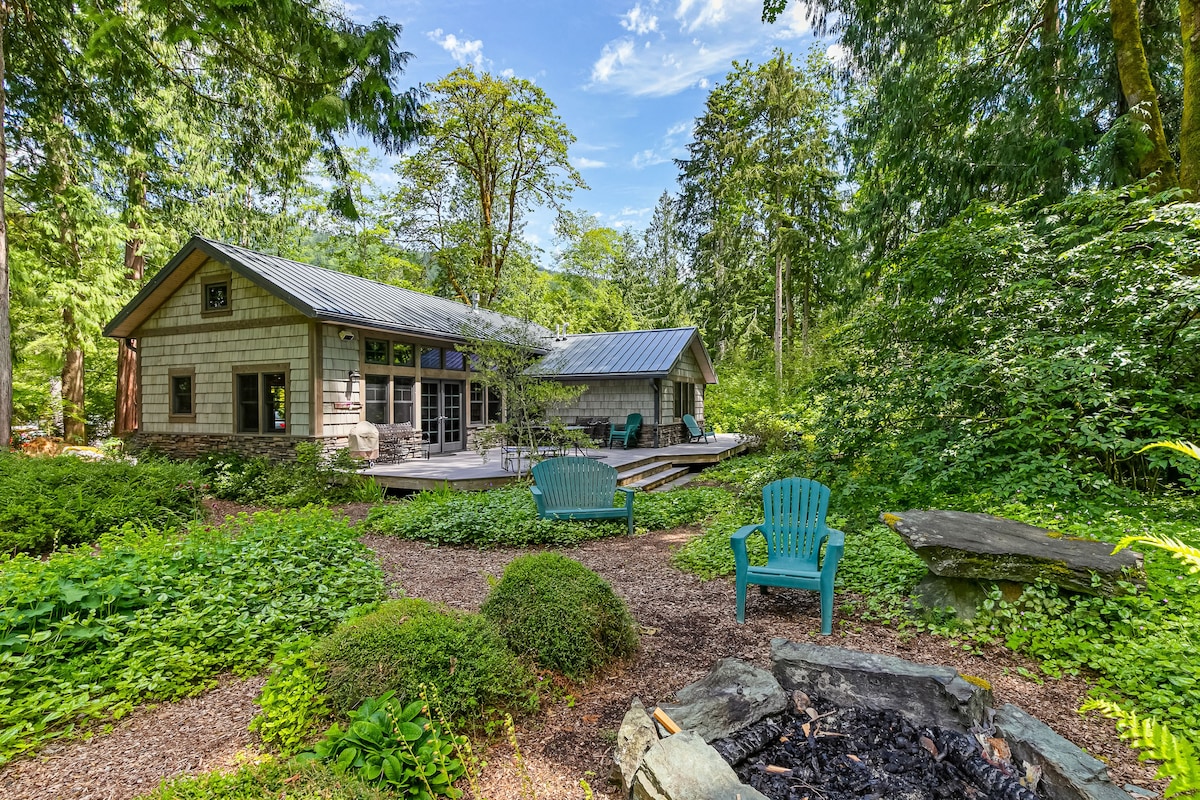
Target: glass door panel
(452, 408)
(431, 414)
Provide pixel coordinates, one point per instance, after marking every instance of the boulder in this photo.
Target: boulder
(636, 735)
(982, 547)
(1068, 773)
(733, 696)
(922, 694)
(683, 767)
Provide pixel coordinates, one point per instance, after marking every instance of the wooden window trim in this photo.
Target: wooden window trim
(172, 374)
(259, 369)
(214, 280)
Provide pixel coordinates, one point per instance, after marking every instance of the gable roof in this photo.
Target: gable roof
(624, 354)
(326, 295)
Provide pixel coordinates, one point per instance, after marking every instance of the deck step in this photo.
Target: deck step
(629, 475)
(682, 480)
(660, 479)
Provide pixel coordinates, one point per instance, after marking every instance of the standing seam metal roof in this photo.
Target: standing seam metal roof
(633, 353)
(341, 297)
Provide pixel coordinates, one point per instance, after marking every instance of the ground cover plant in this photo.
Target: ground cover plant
(312, 478)
(86, 635)
(561, 614)
(408, 644)
(1141, 650)
(271, 780)
(507, 517)
(46, 503)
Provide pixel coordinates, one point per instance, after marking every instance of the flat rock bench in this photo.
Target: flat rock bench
(965, 550)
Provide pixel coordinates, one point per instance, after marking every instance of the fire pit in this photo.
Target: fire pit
(829, 723)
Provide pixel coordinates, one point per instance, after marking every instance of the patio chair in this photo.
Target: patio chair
(695, 431)
(626, 433)
(794, 527)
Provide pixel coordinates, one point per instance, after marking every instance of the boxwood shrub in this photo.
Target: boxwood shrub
(405, 643)
(560, 613)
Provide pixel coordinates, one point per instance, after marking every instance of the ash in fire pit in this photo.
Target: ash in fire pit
(857, 754)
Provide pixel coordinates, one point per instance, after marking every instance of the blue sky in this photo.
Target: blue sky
(628, 77)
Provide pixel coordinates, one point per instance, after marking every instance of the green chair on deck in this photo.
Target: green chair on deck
(794, 527)
(695, 431)
(625, 434)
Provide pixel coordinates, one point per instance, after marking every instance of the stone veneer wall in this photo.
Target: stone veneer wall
(191, 445)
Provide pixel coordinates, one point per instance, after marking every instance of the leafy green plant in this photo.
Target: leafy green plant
(85, 635)
(292, 701)
(560, 613)
(407, 643)
(47, 503)
(1178, 760)
(688, 505)
(313, 478)
(271, 780)
(401, 747)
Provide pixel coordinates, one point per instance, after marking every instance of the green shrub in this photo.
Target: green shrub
(400, 747)
(85, 635)
(292, 701)
(562, 614)
(406, 643)
(271, 780)
(47, 503)
(505, 517)
(313, 478)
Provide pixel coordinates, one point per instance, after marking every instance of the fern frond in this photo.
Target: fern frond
(1184, 552)
(1187, 448)
(1178, 761)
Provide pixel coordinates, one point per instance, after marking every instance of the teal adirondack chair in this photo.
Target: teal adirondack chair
(696, 432)
(574, 487)
(625, 434)
(794, 527)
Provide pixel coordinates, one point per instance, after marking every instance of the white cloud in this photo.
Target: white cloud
(793, 22)
(461, 50)
(647, 158)
(639, 21)
(837, 54)
(589, 163)
(615, 54)
(678, 128)
(508, 73)
(696, 51)
(693, 14)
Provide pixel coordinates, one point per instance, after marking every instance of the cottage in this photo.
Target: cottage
(242, 351)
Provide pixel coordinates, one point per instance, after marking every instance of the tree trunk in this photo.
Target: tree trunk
(1140, 94)
(6, 367)
(74, 431)
(1189, 134)
(777, 336)
(126, 420)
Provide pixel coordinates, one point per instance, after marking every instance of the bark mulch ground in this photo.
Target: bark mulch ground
(686, 624)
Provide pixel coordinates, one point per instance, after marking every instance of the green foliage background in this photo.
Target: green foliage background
(85, 635)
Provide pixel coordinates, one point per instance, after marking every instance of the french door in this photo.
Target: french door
(442, 415)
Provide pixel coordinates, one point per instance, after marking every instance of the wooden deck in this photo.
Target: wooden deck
(645, 468)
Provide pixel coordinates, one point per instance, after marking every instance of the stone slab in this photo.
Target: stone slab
(924, 695)
(733, 696)
(1068, 773)
(636, 735)
(959, 544)
(683, 767)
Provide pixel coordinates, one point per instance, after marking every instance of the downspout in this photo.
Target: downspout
(656, 384)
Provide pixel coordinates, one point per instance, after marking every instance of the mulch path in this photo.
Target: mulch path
(687, 625)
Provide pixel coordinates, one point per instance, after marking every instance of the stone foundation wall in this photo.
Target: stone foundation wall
(191, 445)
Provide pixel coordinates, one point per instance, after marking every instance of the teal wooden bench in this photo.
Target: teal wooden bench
(794, 527)
(574, 487)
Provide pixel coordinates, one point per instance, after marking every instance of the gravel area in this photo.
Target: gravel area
(686, 624)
